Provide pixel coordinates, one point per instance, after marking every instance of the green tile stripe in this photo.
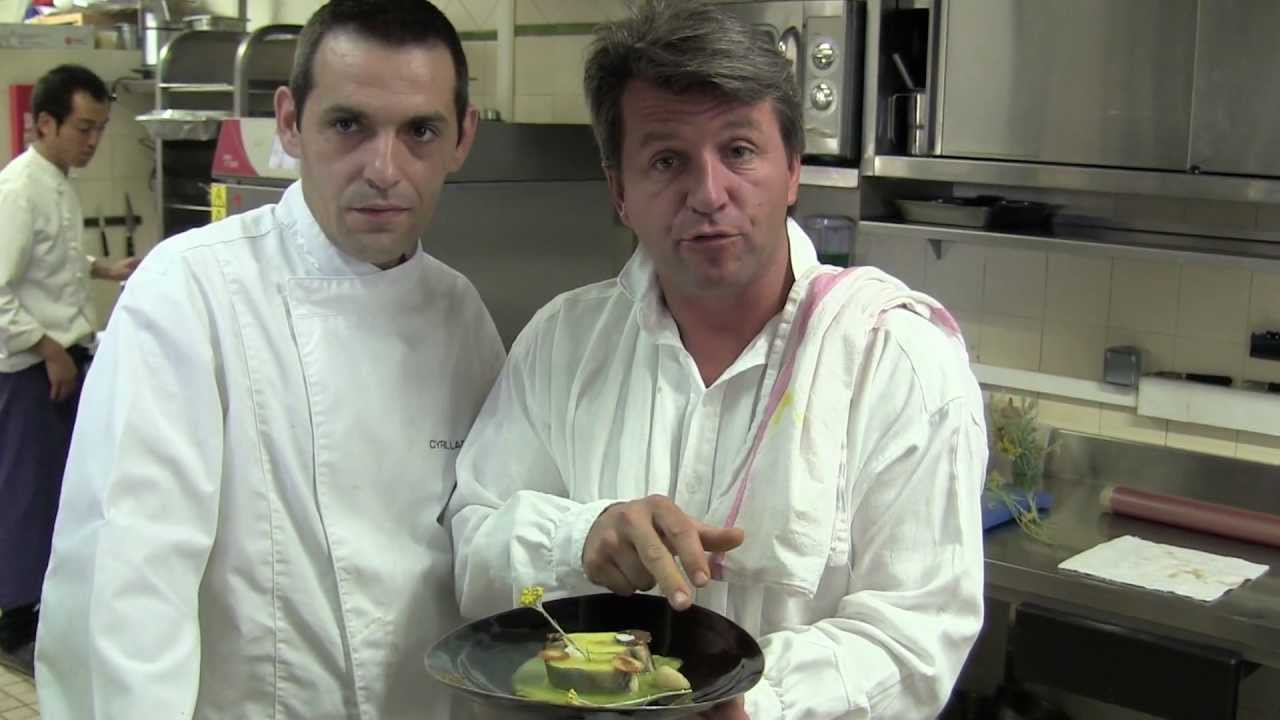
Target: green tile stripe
(547, 30)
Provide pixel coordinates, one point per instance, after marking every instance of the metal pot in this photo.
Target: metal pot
(156, 32)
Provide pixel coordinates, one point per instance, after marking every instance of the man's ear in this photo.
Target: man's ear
(616, 193)
(793, 179)
(46, 126)
(466, 138)
(287, 123)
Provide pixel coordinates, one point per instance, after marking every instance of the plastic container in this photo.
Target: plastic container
(832, 237)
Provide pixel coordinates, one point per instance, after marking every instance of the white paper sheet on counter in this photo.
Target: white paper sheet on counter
(1190, 573)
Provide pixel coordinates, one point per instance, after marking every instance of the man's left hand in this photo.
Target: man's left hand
(117, 270)
(731, 710)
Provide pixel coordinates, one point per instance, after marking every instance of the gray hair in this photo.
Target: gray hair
(686, 46)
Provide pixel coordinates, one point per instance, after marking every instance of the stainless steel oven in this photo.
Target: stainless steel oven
(824, 41)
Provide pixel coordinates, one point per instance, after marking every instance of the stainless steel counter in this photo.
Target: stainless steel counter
(1245, 620)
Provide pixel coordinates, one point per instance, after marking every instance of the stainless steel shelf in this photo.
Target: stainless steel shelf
(1081, 240)
(137, 86)
(197, 87)
(821, 176)
(185, 206)
(1083, 179)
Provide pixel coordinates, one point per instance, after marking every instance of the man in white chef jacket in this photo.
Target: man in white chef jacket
(248, 526)
(807, 443)
(46, 333)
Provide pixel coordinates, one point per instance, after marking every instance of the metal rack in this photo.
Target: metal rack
(195, 72)
(264, 61)
(216, 73)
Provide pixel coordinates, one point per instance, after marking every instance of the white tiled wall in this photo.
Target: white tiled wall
(1057, 312)
(121, 165)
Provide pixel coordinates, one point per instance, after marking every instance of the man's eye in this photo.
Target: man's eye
(664, 163)
(742, 152)
(423, 131)
(344, 125)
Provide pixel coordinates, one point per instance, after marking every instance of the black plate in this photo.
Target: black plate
(721, 660)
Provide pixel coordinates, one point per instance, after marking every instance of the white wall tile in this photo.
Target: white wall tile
(903, 259)
(1201, 438)
(1213, 301)
(570, 109)
(971, 329)
(458, 15)
(1009, 341)
(482, 66)
(1208, 355)
(534, 109)
(956, 279)
(529, 12)
(297, 11)
(1259, 369)
(580, 11)
(1157, 348)
(1014, 283)
(1078, 289)
(484, 12)
(1073, 350)
(1144, 296)
(536, 65)
(1264, 304)
(571, 57)
(130, 158)
(1067, 414)
(552, 11)
(1128, 425)
(1258, 448)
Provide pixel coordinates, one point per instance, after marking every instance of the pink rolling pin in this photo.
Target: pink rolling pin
(1232, 522)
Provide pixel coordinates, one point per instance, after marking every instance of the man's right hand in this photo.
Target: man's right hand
(62, 371)
(634, 545)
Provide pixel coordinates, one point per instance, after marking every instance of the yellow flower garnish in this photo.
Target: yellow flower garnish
(573, 696)
(531, 596)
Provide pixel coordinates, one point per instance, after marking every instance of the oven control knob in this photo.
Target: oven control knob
(822, 96)
(824, 55)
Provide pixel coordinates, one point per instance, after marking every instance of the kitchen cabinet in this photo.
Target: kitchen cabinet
(1087, 82)
(1234, 124)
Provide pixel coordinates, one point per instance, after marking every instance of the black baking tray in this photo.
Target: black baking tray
(984, 211)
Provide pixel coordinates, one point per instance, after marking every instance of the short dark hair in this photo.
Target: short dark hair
(398, 23)
(687, 46)
(54, 91)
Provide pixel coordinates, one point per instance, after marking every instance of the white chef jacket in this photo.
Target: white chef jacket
(248, 525)
(600, 402)
(44, 272)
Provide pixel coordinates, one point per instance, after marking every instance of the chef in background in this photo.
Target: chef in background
(248, 527)
(46, 334)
